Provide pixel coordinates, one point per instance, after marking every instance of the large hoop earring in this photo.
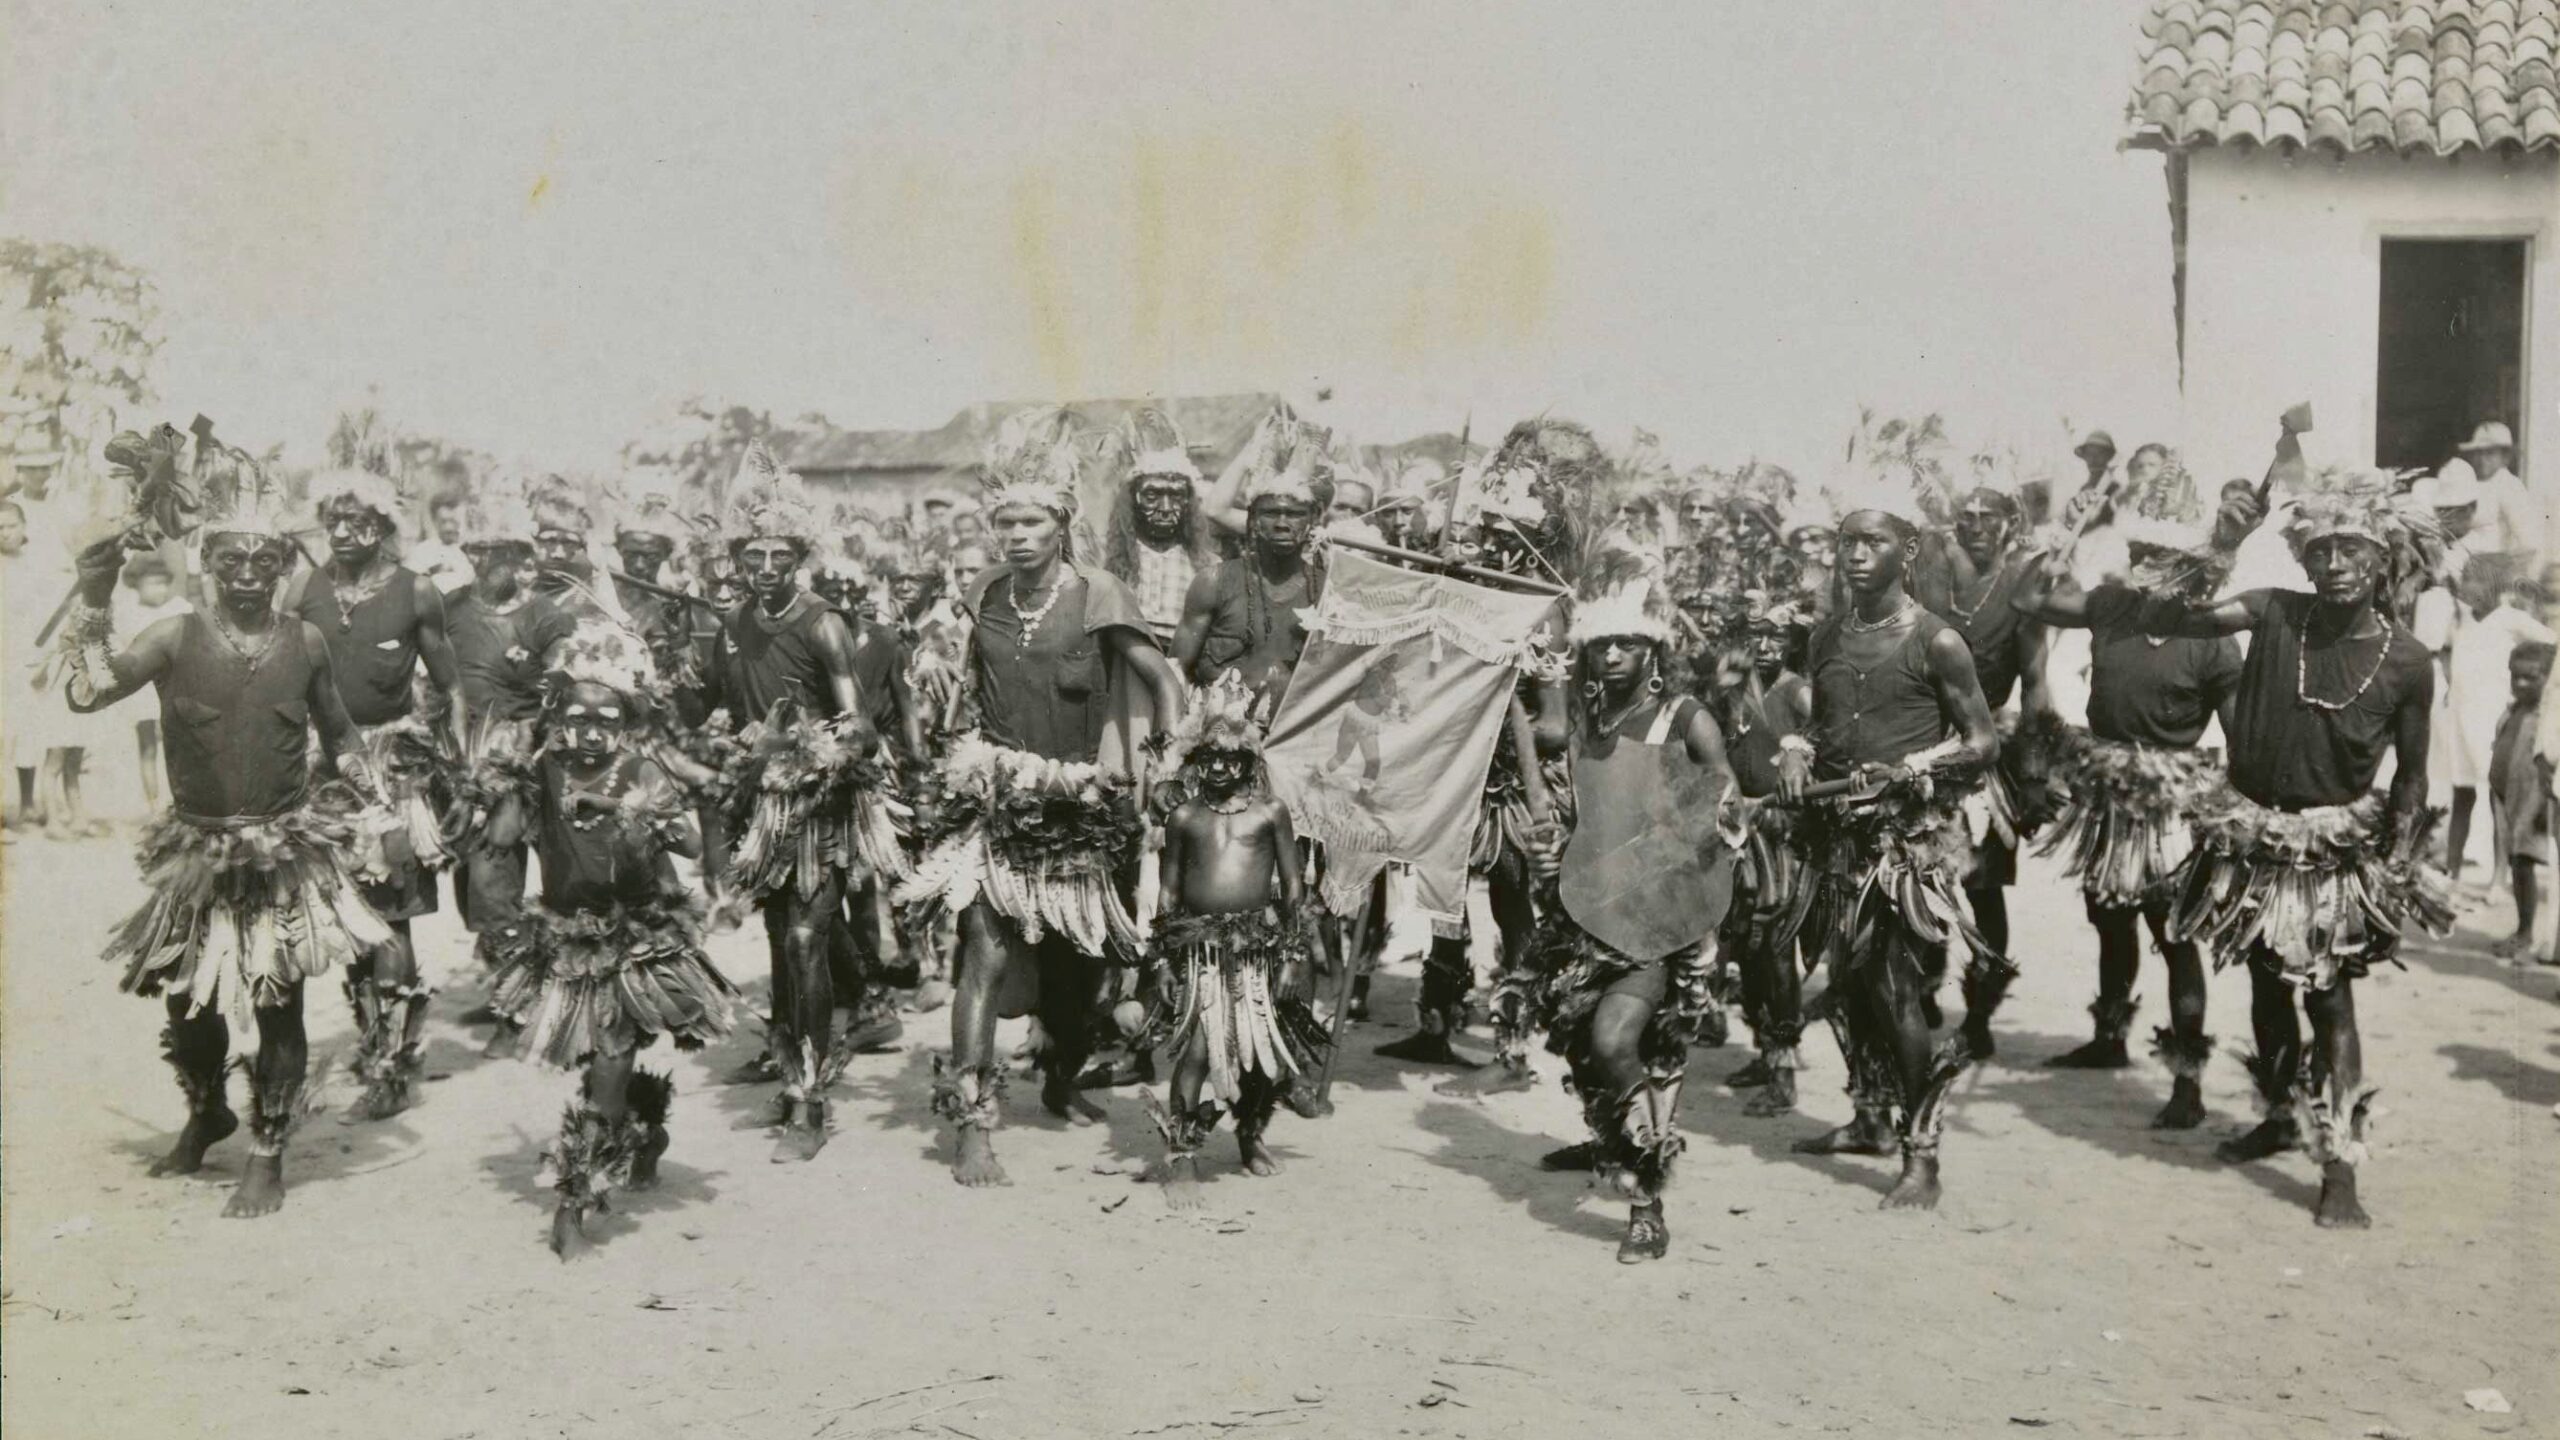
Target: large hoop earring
(1653, 683)
(1590, 689)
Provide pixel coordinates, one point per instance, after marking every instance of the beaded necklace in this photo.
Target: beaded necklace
(1031, 618)
(2302, 667)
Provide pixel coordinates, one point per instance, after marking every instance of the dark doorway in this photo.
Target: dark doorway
(2452, 352)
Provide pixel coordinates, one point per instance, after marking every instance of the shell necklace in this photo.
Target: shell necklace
(1855, 626)
(2302, 667)
(1031, 618)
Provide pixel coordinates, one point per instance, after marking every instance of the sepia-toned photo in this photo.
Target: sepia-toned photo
(1485, 721)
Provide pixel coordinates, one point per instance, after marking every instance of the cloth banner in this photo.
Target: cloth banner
(1380, 746)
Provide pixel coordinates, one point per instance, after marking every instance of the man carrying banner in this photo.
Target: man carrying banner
(1247, 616)
(1896, 712)
(1643, 879)
(1039, 809)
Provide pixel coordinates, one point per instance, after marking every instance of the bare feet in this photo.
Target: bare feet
(261, 1189)
(1059, 1096)
(201, 1133)
(2104, 1053)
(1505, 1078)
(1256, 1154)
(2185, 1110)
(1751, 1076)
(2338, 1208)
(1647, 1238)
(1865, 1135)
(975, 1163)
(2512, 946)
(802, 1140)
(1182, 1184)
(1305, 1100)
(2271, 1136)
(1578, 1156)
(776, 1112)
(1918, 1187)
(1424, 1047)
(569, 1233)
(1778, 1097)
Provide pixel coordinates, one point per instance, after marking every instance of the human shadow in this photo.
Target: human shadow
(320, 1148)
(518, 1171)
(1715, 1112)
(2515, 1077)
(1473, 1143)
(2470, 961)
(2111, 1110)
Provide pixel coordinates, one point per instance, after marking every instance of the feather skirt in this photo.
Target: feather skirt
(1902, 860)
(2129, 822)
(2316, 888)
(606, 983)
(403, 754)
(1040, 840)
(243, 910)
(812, 808)
(1218, 985)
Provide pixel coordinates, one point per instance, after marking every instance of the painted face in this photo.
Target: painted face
(2344, 569)
(593, 720)
(1278, 526)
(497, 571)
(723, 586)
(355, 532)
(1352, 500)
(1982, 526)
(838, 585)
(770, 566)
(643, 556)
(1619, 661)
(1505, 549)
(1223, 772)
(1466, 544)
(1163, 505)
(247, 568)
(1871, 554)
(561, 554)
(1027, 535)
(1769, 650)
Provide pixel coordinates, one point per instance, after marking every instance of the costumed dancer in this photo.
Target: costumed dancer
(1228, 961)
(382, 622)
(2135, 780)
(880, 661)
(647, 531)
(1897, 712)
(935, 635)
(612, 957)
(1974, 593)
(1767, 702)
(1538, 496)
(2307, 876)
(1038, 816)
(1643, 878)
(1157, 541)
(1247, 616)
(812, 812)
(251, 891)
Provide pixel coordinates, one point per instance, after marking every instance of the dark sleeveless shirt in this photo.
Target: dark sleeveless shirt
(762, 668)
(2291, 755)
(1992, 633)
(499, 656)
(373, 648)
(1879, 716)
(1049, 694)
(1232, 637)
(584, 870)
(238, 736)
(2148, 691)
(1751, 745)
(879, 674)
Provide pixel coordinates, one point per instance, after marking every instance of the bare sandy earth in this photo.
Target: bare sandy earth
(1412, 1273)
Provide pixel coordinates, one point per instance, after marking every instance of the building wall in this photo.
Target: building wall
(2284, 281)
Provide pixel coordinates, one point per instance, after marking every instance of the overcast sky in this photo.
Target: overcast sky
(536, 227)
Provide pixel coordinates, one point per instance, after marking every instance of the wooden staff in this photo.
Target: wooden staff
(1360, 932)
(1450, 567)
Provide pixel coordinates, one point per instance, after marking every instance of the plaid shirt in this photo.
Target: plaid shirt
(1163, 578)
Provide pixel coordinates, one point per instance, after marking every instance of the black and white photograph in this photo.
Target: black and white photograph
(1484, 721)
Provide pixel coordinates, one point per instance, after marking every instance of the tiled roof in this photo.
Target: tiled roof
(2412, 76)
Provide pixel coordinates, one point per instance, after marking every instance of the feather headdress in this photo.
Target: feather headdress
(2366, 505)
(1154, 446)
(1540, 468)
(365, 488)
(644, 503)
(601, 653)
(557, 504)
(1636, 608)
(1222, 716)
(766, 502)
(240, 492)
(1031, 460)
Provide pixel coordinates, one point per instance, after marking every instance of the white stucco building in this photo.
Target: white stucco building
(2364, 211)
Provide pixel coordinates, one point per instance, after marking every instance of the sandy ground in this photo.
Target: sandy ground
(1412, 1273)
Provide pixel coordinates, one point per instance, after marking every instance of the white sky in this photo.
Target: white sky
(535, 227)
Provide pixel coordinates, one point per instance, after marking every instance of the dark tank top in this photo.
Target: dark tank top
(2291, 755)
(585, 870)
(498, 656)
(765, 662)
(1751, 742)
(373, 646)
(237, 734)
(1990, 631)
(2145, 690)
(1880, 715)
(1249, 615)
